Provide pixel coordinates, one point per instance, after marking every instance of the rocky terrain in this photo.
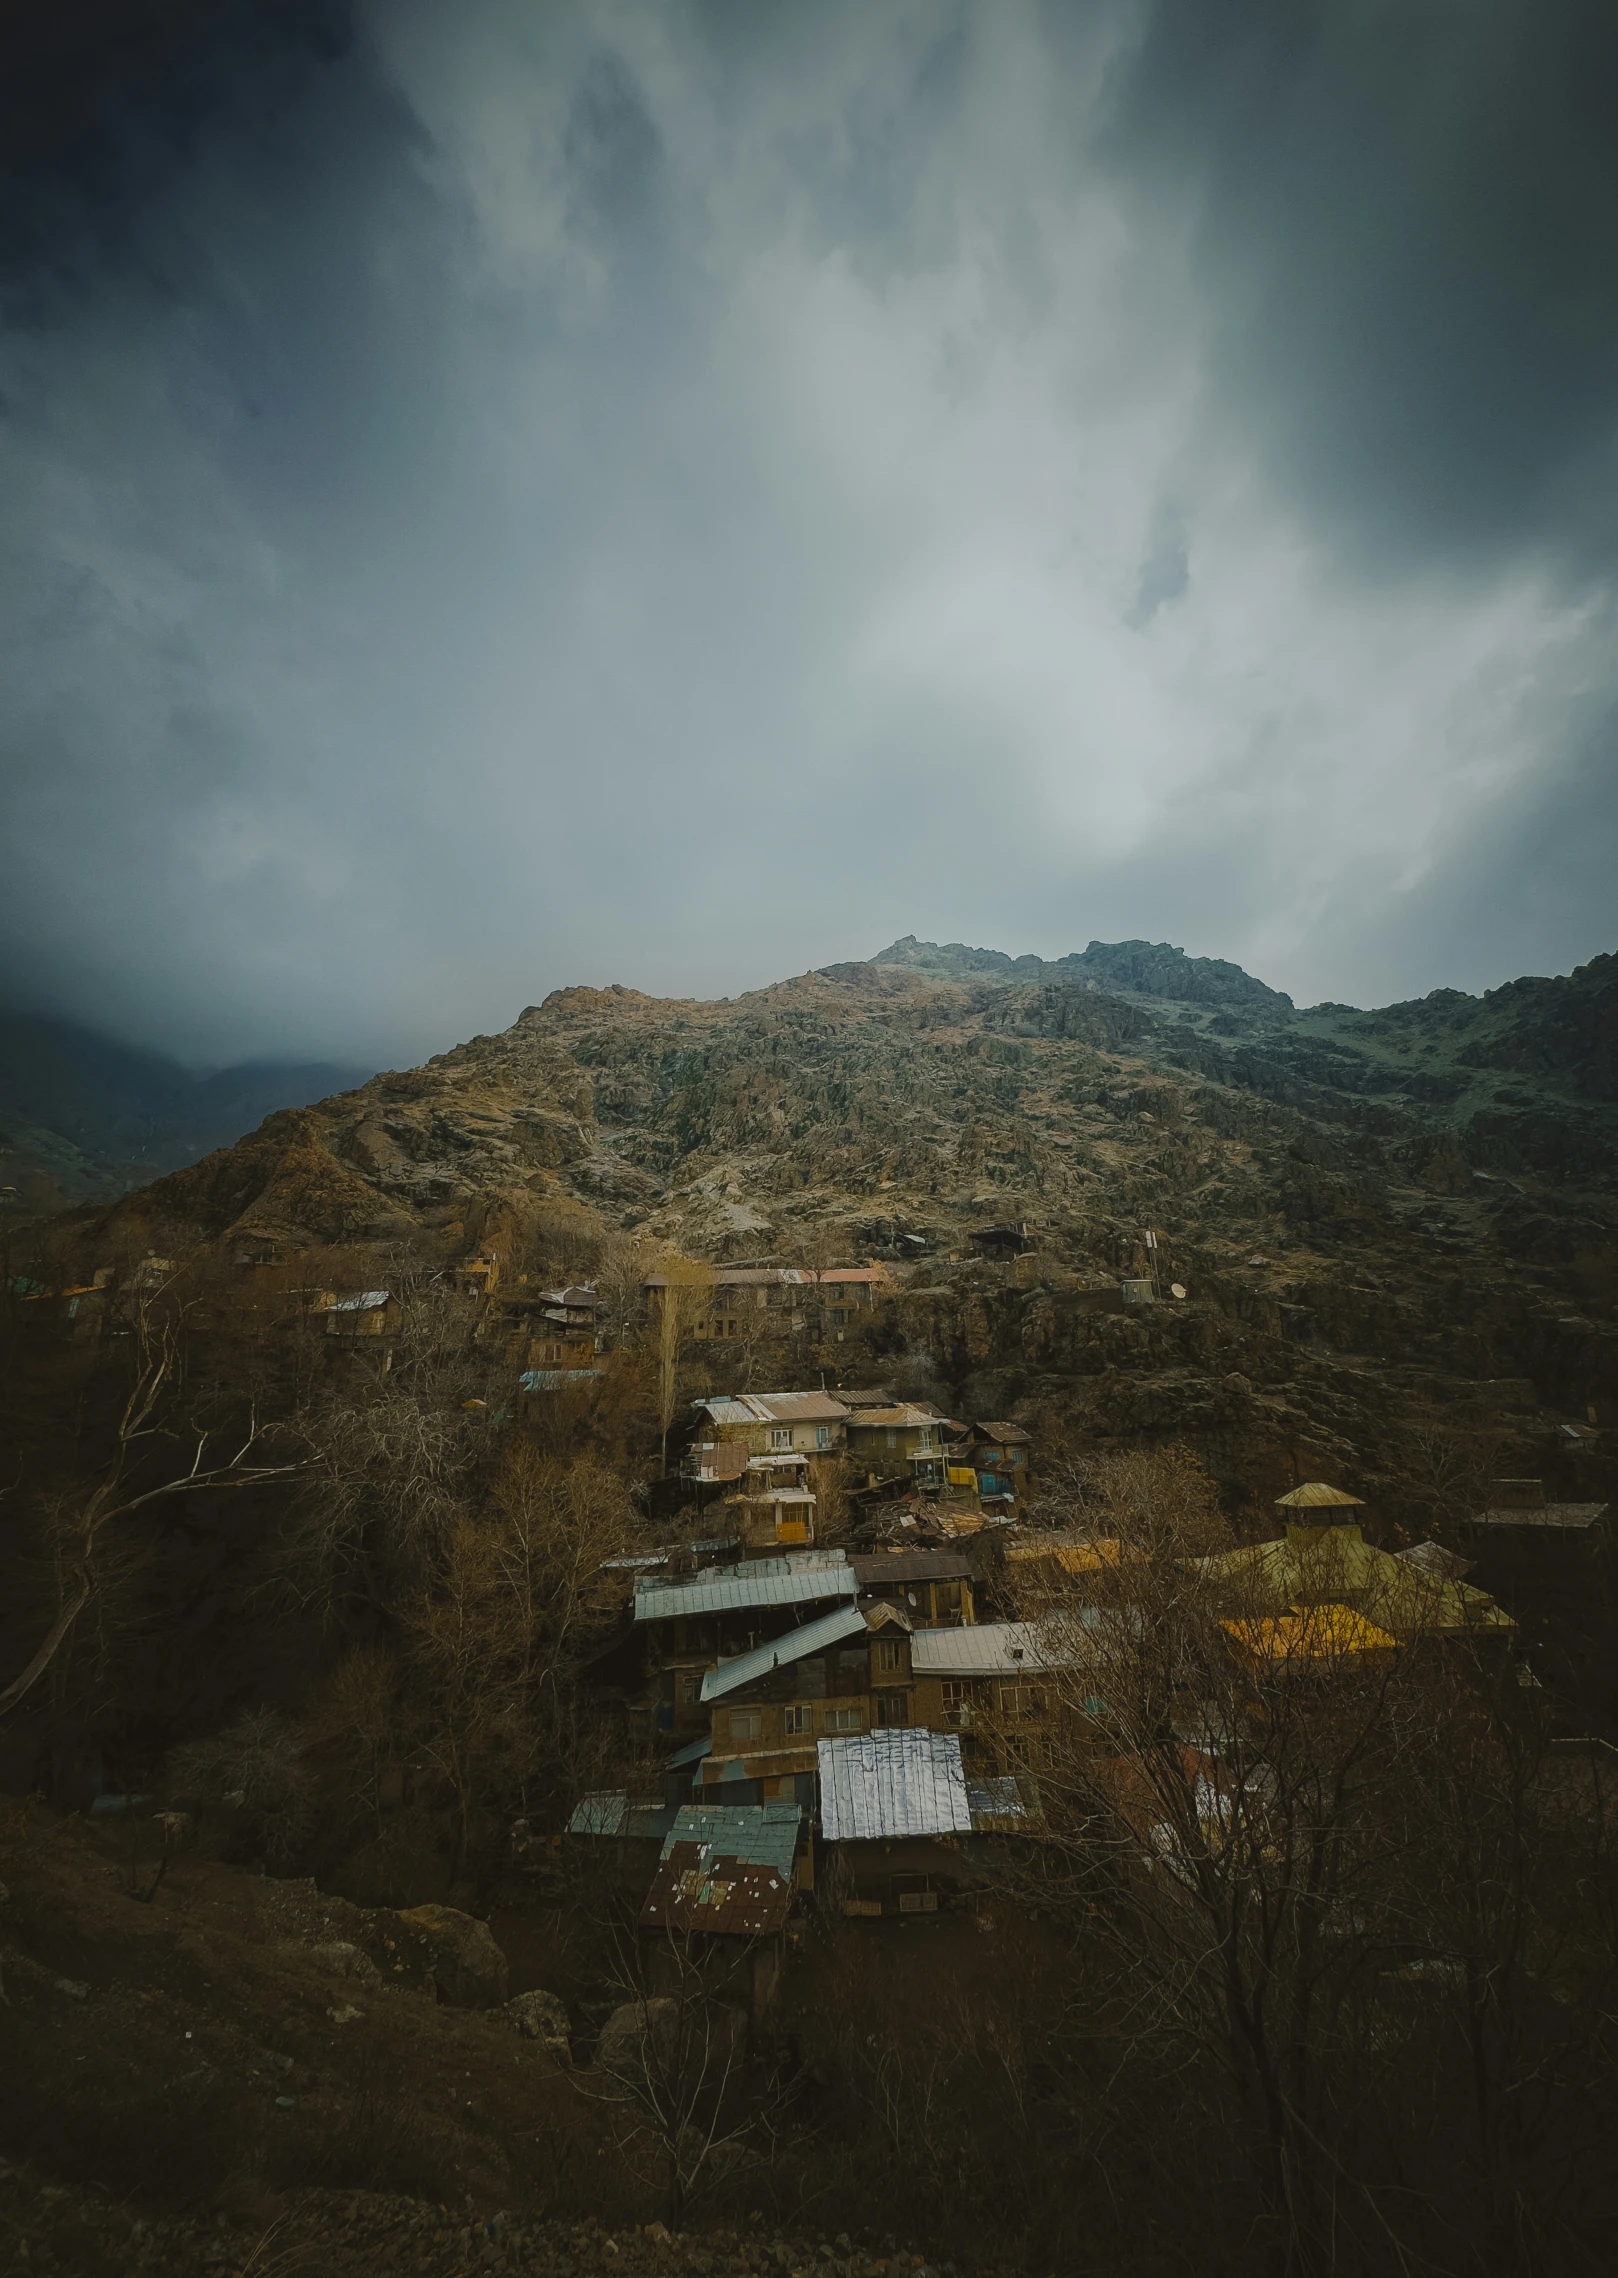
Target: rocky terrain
(1389, 1225)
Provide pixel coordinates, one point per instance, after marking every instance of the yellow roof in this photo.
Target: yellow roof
(1315, 1495)
(1077, 1557)
(1310, 1633)
(1336, 1565)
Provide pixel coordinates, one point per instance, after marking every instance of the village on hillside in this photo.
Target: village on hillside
(855, 1672)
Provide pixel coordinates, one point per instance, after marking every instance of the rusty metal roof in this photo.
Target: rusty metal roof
(892, 1569)
(725, 1868)
(902, 1417)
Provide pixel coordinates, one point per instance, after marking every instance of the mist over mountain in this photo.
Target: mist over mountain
(83, 1116)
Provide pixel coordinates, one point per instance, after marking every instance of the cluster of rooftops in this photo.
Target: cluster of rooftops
(877, 1699)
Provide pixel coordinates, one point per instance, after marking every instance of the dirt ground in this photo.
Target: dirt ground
(228, 2072)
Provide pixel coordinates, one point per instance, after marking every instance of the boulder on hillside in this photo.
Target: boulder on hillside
(467, 1968)
(541, 2017)
(644, 2037)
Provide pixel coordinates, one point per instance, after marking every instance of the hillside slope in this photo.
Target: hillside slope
(1379, 1217)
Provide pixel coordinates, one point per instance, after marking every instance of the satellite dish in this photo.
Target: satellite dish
(1176, 1288)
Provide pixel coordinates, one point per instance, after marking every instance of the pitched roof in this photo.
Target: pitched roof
(774, 1408)
(1012, 1434)
(725, 1868)
(791, 1581)
(1309, 1634)
(988, 1649)
(1336, 1565)
(1315, 1495)
(366, 1301)
(777, 1652)
(878, 1784)
(1433, 1559)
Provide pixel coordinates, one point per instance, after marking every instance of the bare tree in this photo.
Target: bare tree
(669, 2068)
(146, 1466)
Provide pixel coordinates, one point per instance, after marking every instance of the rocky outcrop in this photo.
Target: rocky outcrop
(540, 2017)
(467, 1967)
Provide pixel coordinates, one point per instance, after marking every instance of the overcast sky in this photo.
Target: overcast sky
(496, 495)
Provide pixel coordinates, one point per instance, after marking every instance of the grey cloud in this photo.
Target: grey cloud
(500, 496)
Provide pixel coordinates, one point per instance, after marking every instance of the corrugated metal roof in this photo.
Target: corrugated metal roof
(726, 1868)
(1012, 1434)
(552, 1379)
(1315, 1495)
(989, 1649)
(777, 1652)
(368, 1301)
(879, 1784)
(692, 1753)
(764, 1582)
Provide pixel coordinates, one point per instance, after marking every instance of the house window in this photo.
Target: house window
(746, 1724)
(823, 1435)
(893, 1439)
(924, 1442)
(957, 1701)
(690, 1684)
(839, 1316)
(800, 1717)
(887, 1656)
(893, 1708)
(845, 1720)
(780, 1442)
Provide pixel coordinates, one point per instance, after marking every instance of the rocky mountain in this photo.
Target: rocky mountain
(1389, 1225)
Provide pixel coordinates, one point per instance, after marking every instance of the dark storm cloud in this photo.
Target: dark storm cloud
(512, 494)
(1404, 221)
